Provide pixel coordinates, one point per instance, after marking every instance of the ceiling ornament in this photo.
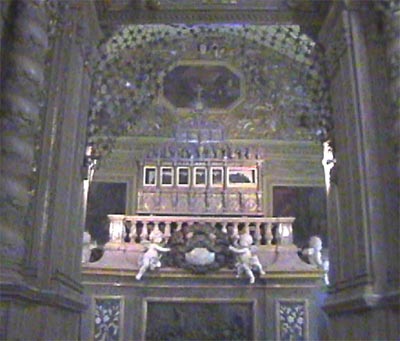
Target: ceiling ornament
(281, 68)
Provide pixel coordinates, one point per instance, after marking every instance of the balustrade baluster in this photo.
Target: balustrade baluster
(167, 231)
(285, 232)
(278, 235)
(257, 233)
(134, 231)
(145, 231)
(229, 226)
(127, 224)
(235, 233)
(224, 227)
(116, 228)
(268, 233)
(157, 225)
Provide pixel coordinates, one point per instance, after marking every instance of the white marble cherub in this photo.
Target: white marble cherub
(86, 245)
(313, 252)
(247, 262)
(314, 255)
(150, 260)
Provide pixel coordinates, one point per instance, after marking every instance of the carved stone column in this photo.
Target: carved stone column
(391, 12)
(360, 194)
(391, 18)
(22, 88)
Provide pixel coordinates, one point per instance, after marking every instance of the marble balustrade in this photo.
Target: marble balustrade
(136, 228)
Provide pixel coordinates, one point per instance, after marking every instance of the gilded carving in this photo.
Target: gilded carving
(199, 248)
(129, 81)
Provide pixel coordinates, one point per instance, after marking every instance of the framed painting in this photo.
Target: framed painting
(217, 176)
(242, 176)
(167, 176)
(183, 176)
(200, 176)
(150, 176)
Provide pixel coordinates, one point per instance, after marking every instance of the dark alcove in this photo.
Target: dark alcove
(104, 198)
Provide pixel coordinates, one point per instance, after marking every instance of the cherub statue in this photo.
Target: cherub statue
(314, 256)
(86, 244)
(247, 262)
(150, 260)
(313, 252)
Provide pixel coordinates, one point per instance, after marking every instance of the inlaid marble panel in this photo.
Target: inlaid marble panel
(108, 318)
(291, 320)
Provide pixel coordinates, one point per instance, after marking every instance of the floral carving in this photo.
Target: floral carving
(292, 321)
(107, 319)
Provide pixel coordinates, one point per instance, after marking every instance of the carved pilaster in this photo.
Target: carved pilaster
(391, 20)
(359, 196)
(391, 12)
(335, 41)
(21, 122)
(349, 196)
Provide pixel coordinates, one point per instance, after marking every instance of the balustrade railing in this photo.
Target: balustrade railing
(136, 228)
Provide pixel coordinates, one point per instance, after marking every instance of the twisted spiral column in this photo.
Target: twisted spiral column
(22, 88)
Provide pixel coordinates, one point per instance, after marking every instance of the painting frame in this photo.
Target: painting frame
(199, 176)
(217, 176)
(242, 176)
(183, 176)
(150, 176)
(167, 176)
